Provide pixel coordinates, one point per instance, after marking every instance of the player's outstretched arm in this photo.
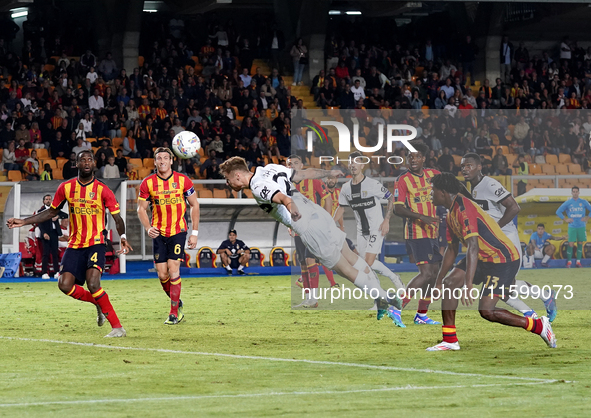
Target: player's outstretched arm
(35, 219)
(404, 212)
(314, 173)
(194, 204)
(125, 247)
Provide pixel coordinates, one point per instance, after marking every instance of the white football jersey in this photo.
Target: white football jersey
(489, 194)
(266, 182)
(364, 198)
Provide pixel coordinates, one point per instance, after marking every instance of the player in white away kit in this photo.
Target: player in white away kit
(498, 202)
(363, 196)
(272, 189)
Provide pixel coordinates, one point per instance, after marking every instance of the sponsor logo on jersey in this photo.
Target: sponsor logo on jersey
(499, 192)
(92, 195)
(265, 193)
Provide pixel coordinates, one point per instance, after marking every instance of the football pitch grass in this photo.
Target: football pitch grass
(242, 351)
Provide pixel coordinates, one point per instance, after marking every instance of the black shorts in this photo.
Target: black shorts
(169, 248)
(499, 276)
(234, 262)
(424, 250)
(78, 260)
(302, 251)
(442, 242)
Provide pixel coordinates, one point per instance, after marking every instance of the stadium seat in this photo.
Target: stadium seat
(117, 142)
(11, 263)
(561, 169)
(123, 132)
(256, 258)
(505, 149)
(58, 174)
(136, 162)
(61, 162)
(535, 169)
(564, 158)
(278, 257)
(149, 163)
(205, 258)
(574, 168)
(143, 172)
(457, 159)
(551, 159)
(247, 192)
(548, 169)
(511, 158)
(220, 194)
(546, 183)
(52, 164)
(140, 61)
(205, 194)
(42, 153)
(198, 186)
(564, 183)
(15, 175)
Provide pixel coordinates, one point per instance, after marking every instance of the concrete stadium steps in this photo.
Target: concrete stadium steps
(301, 92)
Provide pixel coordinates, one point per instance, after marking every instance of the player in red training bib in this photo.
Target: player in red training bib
(84, 259)
(165, 192)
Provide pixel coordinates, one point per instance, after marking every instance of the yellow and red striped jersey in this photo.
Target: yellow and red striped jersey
(314, 190)
(335, 199)
(167, 200)
(88, 203)
(161, 113)
(467, 219)
(414, 191)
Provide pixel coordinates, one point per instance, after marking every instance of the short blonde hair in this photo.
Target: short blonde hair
(163, 149)
(233, 164)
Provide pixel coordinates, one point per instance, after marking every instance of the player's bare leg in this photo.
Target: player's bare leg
(243, 261)
(379, 267)
(226, 262)
(541, 326)
(421, 285)
(67, 284)
(93, 282)
(449, 306)
(357, 271)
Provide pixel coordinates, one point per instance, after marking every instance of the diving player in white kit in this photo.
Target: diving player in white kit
(272, 189)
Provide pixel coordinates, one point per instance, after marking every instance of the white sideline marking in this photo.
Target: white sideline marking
(288, 360)
(260, 395)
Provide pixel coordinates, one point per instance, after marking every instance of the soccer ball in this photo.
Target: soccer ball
(186, 144)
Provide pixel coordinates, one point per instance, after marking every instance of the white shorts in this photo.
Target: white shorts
(319, 232)
(371, 243)
(538, 253)
(325, 241)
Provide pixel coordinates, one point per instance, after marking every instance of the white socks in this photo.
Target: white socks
(370, 281)
(379, 267)
(546, 258)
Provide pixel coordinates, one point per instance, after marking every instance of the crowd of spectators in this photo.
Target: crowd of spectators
(63, 104)
(53, 101)
(541, 96)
